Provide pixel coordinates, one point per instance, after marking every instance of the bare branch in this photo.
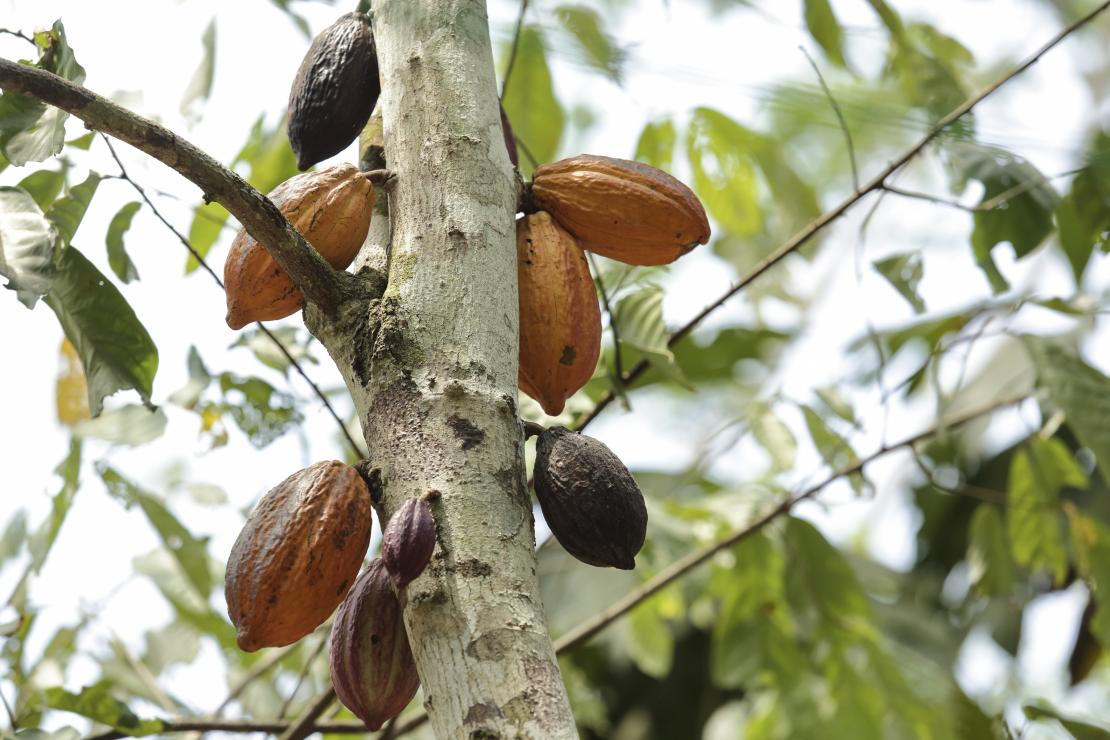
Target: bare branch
(304, 726)
(316, 279)
(168, 726)
(876, 184)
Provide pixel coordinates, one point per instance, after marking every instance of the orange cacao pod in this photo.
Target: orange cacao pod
(560, 321)
(331, 208)
(298, 555)
(620, 209)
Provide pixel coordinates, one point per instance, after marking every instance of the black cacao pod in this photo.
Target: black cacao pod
(408, 541)
(589, 499)
(372, 668)
(334, 91)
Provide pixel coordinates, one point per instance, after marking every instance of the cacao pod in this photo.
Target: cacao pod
(560, 320)
(510, 140)
(589, 499)
(297, 555)
(331, 208)
(372, 668)
(624, 210)
(408, 541)
(334, 91)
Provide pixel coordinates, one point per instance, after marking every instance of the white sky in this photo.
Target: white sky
(680, 59)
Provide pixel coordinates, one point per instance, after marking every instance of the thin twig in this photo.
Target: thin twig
(839, 117)
(612, 319)
(991, 203)
(317, 280)
(142, 672)
(877, 183)
(19, 35)
(261, 327)
(527, 152)
(304, 724)
(256, 671)
(303, 674)
(513, 50)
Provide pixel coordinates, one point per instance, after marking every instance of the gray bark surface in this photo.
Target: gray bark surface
(433, 369)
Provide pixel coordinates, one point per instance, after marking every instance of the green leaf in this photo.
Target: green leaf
(42, 540)
(1081, 391)
(200, 87)
(990, 569)
(825, 29)
(31, 131)
(1078, 730)
(835, 402)
(724, 176)
(208, 223)
(530, 102)
(639, 320)
(97, 703)
(67, 213)
(656, 144)
(887, 15)
(651, 643)
(1034, 522)
(261, 411)
(83, 142)
(26, 246)
(130, 425)
(1083, 215)
(44, 185)
(584, 25)
(190, 552)
(11, 541)
(834, 449)
(823, 591)
(773, 436)
(118, 259)
(199, 379)
(163, 570)
(904, 273)
(1024, 219)
(115, 350)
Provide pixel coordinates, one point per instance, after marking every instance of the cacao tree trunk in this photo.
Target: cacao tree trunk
(433, 369)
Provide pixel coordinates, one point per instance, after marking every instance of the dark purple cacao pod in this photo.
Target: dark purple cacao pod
(334, 91)
(408, 541)
(589, 499)
(372, 667)
(510, 140)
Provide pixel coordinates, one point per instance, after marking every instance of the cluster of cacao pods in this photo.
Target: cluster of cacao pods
(619, 209)
(297, 559)
(590, 501)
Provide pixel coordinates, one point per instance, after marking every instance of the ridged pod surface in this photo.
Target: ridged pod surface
(331, 208)
(334, 91)
(298, 555)
(560, 320)
(372, 668)
(620, 209)
(408, 541)
(589, 499)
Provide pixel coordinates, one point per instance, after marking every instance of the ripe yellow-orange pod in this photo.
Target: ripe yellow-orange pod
(331, 208)
(560, 320)
(620, 209)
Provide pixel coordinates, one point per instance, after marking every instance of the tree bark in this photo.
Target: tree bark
(433, 369)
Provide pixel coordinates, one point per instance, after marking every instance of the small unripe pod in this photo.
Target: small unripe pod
(408, 541)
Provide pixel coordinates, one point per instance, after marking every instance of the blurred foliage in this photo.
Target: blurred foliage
(785, 634)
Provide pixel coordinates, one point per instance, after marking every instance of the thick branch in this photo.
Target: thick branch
(875, 184)
(261, 218)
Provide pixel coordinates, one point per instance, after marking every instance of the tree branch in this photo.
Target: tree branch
(316, 279)
(875, 184)
(681, 567)
(333, 728)
(304, 725)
